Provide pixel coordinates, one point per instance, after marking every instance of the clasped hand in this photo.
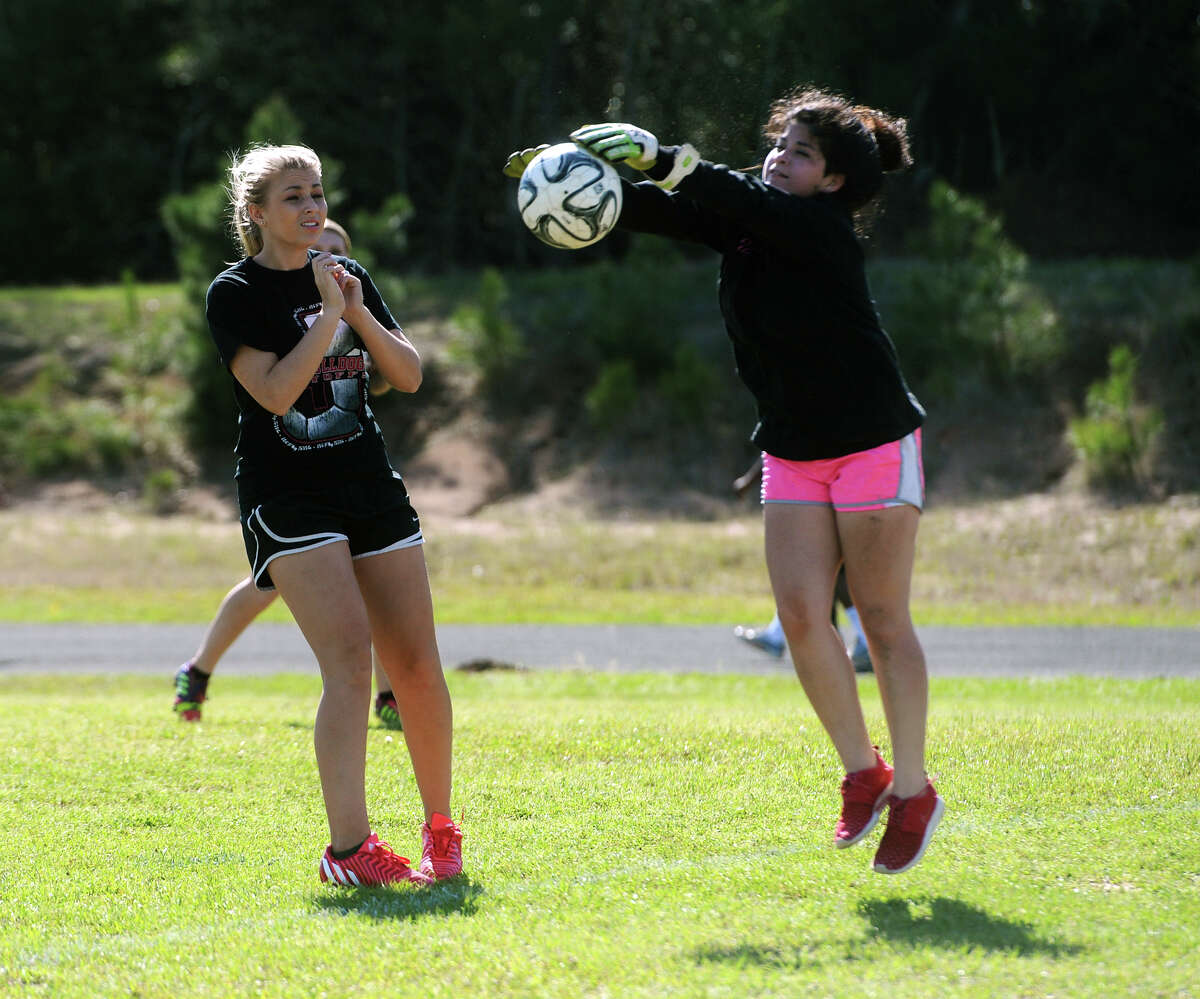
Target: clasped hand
(340, 290)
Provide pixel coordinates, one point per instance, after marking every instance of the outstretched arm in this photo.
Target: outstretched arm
(739, 200)
(646, 207)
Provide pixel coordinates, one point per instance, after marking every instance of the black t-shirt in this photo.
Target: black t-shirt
(793, 292)
(330, 433)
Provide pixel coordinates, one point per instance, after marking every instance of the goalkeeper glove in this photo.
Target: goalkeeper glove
(618, 142)
(519, 160)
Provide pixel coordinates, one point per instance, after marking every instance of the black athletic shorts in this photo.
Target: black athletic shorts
(372, 516)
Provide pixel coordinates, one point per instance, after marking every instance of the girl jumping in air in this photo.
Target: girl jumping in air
(326, 520)
(837, 425)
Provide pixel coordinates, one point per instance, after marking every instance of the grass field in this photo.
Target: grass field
(1038, 560)
(636, 835)
(627, 836)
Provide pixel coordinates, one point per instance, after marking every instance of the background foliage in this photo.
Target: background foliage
(99, 381)
(1056, 143)
(1076, 120)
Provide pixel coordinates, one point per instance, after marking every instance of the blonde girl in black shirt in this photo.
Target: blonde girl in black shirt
(325, 517)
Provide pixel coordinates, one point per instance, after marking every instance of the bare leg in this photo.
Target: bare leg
(395, 587)
(879, 547)
(319, 586)
(241, 605)
(803, 555)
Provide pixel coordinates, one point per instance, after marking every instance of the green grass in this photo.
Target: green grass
(465, 603)
(637, 835)
(1034, 561)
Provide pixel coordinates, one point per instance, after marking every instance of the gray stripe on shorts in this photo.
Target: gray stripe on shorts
(911, 489)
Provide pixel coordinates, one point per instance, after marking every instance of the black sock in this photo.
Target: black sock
(197, 684)
(343, 854)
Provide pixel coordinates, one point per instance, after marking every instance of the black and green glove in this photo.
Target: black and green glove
(619, 142)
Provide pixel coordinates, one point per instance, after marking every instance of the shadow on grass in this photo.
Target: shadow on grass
(403, 901)
(763, 956)
(917, 922)
(947, 922)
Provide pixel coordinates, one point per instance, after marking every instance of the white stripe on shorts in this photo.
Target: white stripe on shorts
(318, 541)
(410, 542)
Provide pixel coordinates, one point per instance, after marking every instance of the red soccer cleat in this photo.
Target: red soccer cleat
(373, 863)
(864, 793)
(441, 857)
(910, 826)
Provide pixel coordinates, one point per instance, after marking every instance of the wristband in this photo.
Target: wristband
(684, 159)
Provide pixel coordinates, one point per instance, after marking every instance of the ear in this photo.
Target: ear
(831, 182)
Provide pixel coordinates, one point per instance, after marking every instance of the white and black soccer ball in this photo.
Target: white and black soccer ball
(568, 198)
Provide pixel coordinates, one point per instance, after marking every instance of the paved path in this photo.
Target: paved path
(273, 648)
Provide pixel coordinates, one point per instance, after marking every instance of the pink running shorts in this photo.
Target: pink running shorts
(888, 475)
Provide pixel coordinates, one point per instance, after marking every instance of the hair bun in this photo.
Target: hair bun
(891, 136)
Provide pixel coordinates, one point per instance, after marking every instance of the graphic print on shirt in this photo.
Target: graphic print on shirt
(333, 409)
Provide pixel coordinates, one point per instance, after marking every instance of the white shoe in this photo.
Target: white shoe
(760, 640)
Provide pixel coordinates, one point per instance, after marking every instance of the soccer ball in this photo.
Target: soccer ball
(568, 198)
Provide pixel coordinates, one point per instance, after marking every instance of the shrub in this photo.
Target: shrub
(1116, 435)
(199, 234)
(488, 340)
(1176, 380)
(56, 437)
(160, 491)
(380, 237)
(690, 387)
(963, 309)
(612, 402)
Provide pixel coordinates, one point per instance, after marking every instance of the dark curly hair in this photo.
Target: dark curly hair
(860, 143)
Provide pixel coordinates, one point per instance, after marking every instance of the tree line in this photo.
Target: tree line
(1077, 121)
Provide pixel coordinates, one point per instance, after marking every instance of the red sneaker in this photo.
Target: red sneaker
(441, 857)
(910, 826)
(373, 863)
(864, 793)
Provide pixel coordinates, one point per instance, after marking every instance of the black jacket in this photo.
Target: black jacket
(793, 292)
